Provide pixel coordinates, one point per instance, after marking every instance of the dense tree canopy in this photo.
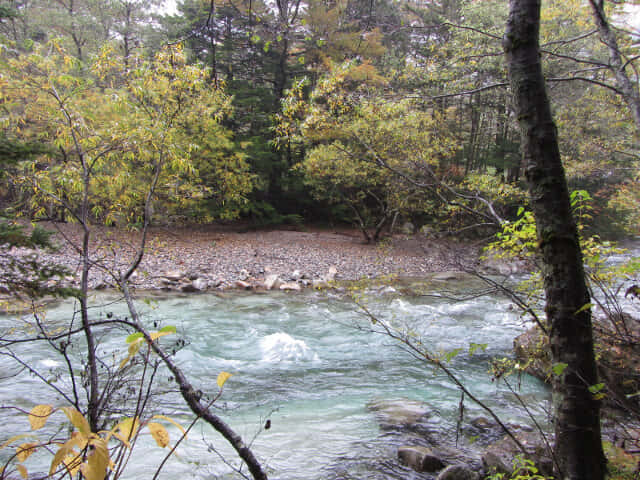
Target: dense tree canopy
(444, 58)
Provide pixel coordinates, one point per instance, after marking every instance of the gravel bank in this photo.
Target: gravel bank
(221, 258)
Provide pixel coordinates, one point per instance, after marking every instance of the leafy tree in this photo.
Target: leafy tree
(578, 446)
(358, 145)
(112, 131)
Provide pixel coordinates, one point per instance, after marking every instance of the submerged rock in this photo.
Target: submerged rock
(401, 413)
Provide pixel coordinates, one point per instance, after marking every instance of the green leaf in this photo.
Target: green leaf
(473, 347)
(520, 211)
(586, 306)
(559, 368)
(134, 336)
(168, 329)
(453, 353)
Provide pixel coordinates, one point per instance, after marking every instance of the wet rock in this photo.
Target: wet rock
(400, 412)
(458, 472)
(420, 459)
(272, 281)
(531, 348)
(483, 423)
(448, 276)
(244, 275)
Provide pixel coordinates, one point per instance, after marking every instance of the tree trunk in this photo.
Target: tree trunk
(578, 447)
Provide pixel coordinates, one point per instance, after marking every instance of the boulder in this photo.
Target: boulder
(173, 275)
(420, 459)
(448, 276)
(401, 413)
(319, 283)
(296, 275)
(290, 286)
(188, 288)
(330, 276)
(200, 284)
(272, 281)
(505, 266)
(531, 348)
(499, 456)
(408, 228)
(458, 472)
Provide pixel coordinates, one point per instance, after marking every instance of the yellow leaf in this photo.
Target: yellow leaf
(38, 416)
(65, 450)
(159, 433)
(23, 471)
(95, 468)
(135, 346)
(72, 462)
(126, 430)
(77, 420)
(156, 335)
(222, 378)
(171, 420)
(25, 450)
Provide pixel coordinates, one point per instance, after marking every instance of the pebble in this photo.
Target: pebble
(221, 258)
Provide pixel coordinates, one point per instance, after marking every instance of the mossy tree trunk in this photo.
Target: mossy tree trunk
(578, 447)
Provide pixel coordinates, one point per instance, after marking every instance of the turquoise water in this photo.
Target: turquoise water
(309, 363)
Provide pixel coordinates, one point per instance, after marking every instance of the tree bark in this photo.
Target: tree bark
(578, 446)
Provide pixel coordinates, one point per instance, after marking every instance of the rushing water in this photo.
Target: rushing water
(301, 361)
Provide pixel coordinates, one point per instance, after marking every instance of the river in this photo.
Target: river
(309, 363)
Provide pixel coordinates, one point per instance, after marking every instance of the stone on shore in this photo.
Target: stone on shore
(173, 275)
(272, 281)
(242, 284)
(200, 284)
(292, 286)
(330, 276)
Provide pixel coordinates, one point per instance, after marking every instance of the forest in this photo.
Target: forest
(510, 123)
(371, 113)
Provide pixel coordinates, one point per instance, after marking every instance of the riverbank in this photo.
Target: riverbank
(216, 257)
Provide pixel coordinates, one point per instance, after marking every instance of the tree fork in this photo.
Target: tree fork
(578, 446)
